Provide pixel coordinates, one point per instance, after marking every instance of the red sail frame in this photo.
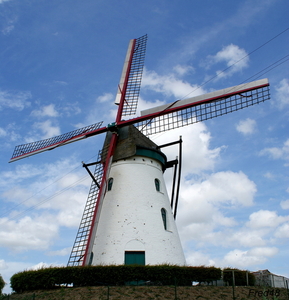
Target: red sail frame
(204, 109)
(109, 157)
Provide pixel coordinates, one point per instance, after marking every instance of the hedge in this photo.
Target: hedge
(2, 284)
(50, 278)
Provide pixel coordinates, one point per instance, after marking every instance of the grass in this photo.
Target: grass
(145, 293)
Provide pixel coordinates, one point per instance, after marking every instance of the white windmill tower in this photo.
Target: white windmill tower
(128, 217)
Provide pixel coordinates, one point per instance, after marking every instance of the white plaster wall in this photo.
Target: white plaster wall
(131, 218)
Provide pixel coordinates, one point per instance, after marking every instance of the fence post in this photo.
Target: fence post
(108, 292)
(233, 285)
(287, 288)
(176, 298)
(247, 278)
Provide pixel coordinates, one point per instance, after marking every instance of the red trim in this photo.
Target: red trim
(123, 92)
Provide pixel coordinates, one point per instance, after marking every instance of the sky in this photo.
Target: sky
(60, 66)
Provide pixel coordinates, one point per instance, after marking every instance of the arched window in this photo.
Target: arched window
(157, 184)
(109, 184)
(164, 217)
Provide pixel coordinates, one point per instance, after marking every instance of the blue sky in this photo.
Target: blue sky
(60, 66)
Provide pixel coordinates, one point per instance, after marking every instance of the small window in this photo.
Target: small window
(164, 217)
(157, 184)
(90, 259)
(109, 184)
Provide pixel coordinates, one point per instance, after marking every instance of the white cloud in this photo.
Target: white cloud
(62, 252)
(7, 29)
(244, 259)
(3, 264)
(19, 173)
(28, 233)
(16, 101)
(143, 104)
(277, 153)
(72, 109)
(45, 111)
(9, 132)
(282, 93)
(9, 26)
(48, 130)
(265, 218)
(236, 60)
(2, 132)
(198, 258)
(247, 238)
(225, 187)
(202, 228)
(63, 83)
(247, 126)
(169, 85)
(42, 180)
(203, 206)
(197, 154)
(282, 232)
(269, 175)
(2, 1)
(45, 200)
(43, 265)
(182, 70)
(105, 97)
(285, 204)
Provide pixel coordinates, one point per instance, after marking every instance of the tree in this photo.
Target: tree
(2, 284)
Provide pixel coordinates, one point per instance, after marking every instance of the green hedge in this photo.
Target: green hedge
(50, 278)
(2, 284)
(240, 277)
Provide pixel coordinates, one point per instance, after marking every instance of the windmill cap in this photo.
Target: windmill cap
(153, 154)
(132, 142)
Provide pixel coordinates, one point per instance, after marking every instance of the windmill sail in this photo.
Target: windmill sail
(203, 107)
(29, 149)
(80, 244)
(131, 76)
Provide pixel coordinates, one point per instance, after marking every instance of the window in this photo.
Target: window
(109, 184)
(134, 258)
(158, 185)
(164, 217)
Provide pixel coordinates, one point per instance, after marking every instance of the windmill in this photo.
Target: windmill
(128, 217)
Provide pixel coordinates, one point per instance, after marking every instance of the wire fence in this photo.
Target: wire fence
(144, 290)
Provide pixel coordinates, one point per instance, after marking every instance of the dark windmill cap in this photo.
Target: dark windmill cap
(132, 142)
